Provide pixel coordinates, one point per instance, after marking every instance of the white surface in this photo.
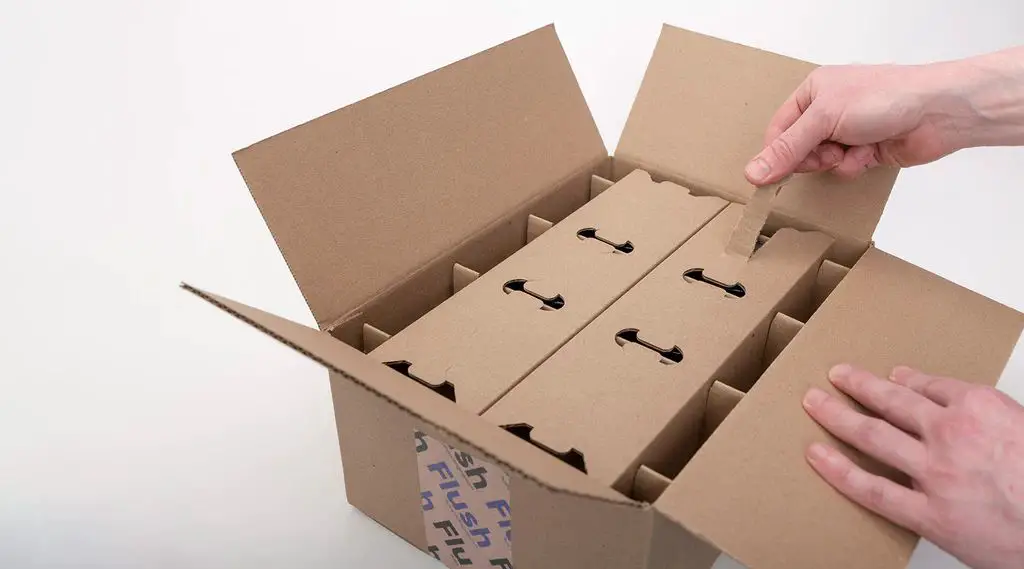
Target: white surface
(140, 428)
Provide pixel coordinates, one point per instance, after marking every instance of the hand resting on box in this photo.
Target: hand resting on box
(961, 444)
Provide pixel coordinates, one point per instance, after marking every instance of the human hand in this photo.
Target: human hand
(850, 118)
(961, 444)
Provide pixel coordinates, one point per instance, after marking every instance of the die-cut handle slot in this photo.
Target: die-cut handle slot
(573, 457)
(445, 389)
(734, 290)
(669, 356)
(519, 285)
(535, 226)
(591, 233)
(373, 337)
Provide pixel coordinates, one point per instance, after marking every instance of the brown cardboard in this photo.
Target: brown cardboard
(470, 152)
(487, 337)
(345, 195)
(700, 115)
(379, 413)
(885, 313)
(622, 404)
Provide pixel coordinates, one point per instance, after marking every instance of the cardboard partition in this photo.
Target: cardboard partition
(493, 332)
(886, 312)
(390, 435)
(346, 195)
(471, 151)
(631, 387)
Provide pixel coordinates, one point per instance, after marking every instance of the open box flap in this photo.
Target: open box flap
(460, 427)
(348, 196)
(749, 490)
(701, 114)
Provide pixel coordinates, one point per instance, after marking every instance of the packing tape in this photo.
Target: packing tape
(466, 506)
(743, 240)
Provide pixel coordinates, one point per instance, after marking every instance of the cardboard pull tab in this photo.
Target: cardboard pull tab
(743, 240)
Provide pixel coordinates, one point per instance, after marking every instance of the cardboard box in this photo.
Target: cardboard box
(630, 389)
(372, 205)
(496, 329)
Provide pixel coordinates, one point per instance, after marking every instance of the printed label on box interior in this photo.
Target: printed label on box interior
(466, 507)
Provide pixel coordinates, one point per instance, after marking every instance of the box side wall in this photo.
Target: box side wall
(885, 313)
(346, 194)
(551, 529)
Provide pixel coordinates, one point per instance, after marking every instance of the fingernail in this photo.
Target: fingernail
(757, 169)
(814, 397)
(901, 373)
(817, 452)
(839, 372)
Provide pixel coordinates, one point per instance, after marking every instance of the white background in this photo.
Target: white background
(141, 428)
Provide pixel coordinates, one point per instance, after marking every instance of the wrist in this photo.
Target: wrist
(978, 101)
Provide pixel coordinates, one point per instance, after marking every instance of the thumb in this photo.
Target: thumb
(783, 155)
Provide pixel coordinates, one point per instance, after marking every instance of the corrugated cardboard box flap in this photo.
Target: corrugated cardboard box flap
(361, 197)
(462, 428)
(701, 114)
(749, 489)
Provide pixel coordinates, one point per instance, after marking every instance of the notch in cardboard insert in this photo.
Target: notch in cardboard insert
(780, 333)
(625, 247)
(669, 356)
(598, 185)
(573, 457)
(547, 303)
(373, 337)
(445, 389)
(535, 226)
(462, 276)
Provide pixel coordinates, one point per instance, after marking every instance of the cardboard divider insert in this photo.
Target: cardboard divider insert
(648, 484)
(461, 277)
(490, 334)
(631, 387)
(885, 312)
(373, 337)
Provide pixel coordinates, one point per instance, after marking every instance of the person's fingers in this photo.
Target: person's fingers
(895, 403)
(941, 390)
(856, 160)
(871, 436)
(810, 164)
(831, 154)
(788, 112)
(782, 156)
(901, 505)
(825, 157)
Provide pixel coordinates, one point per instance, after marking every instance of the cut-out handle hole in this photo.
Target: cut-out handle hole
(573, 457)
(591, 233)
(547, 303)
(669, 356)
(445, 389)
(736, 289)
